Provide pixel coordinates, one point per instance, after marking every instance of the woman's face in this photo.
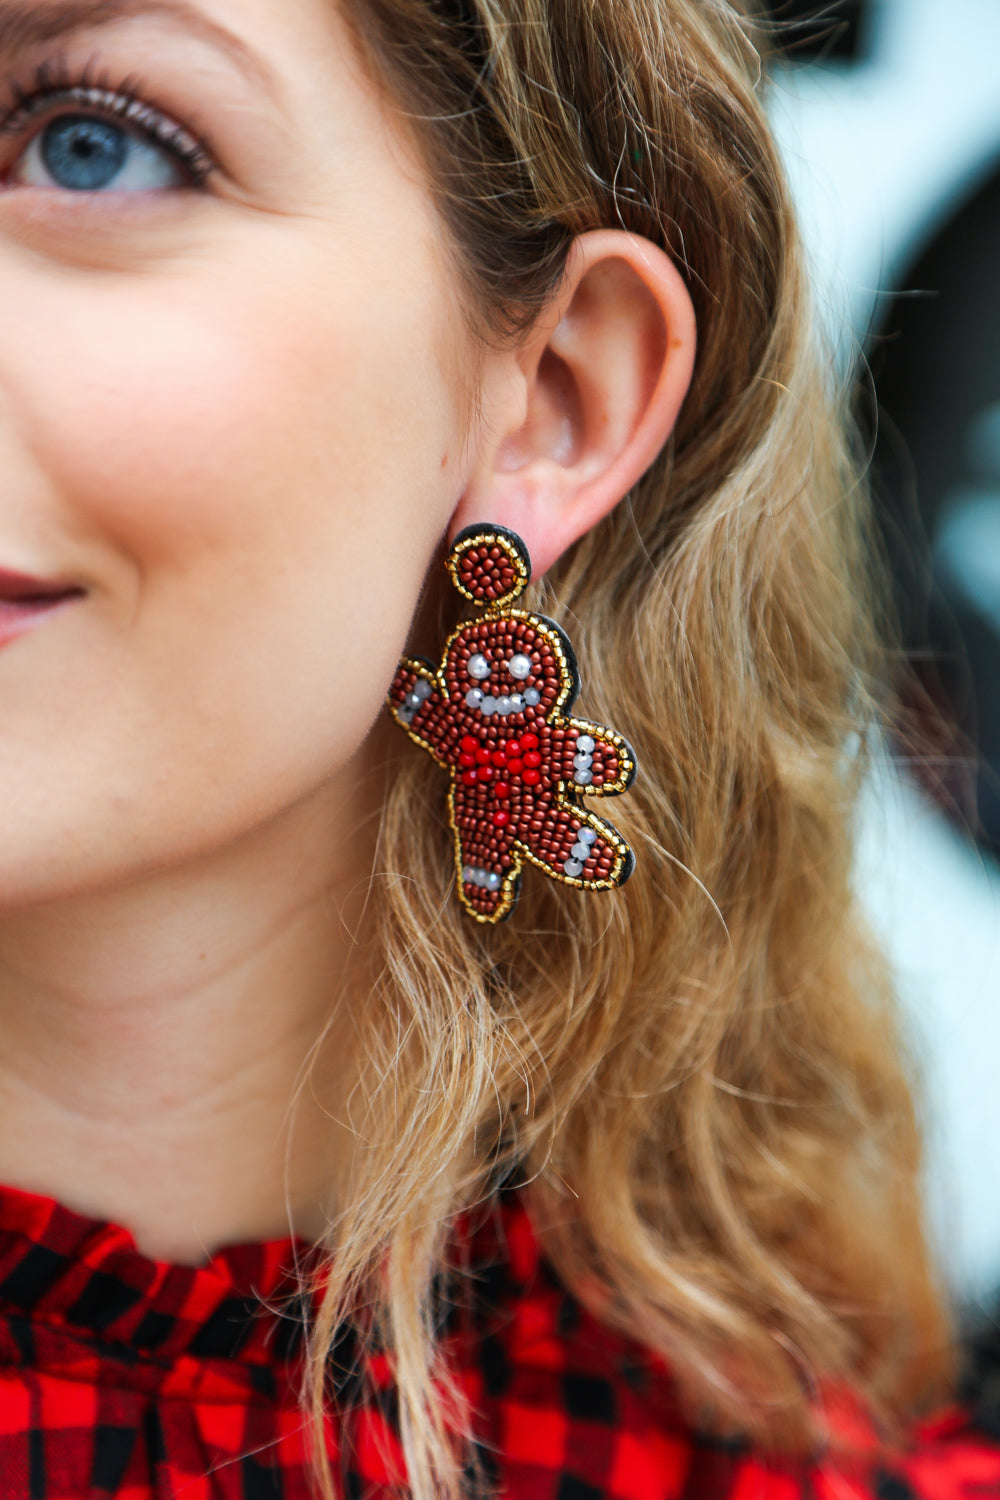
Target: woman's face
(232, 411)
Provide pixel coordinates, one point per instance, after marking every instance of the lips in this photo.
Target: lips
(25, 600)
(19, 588)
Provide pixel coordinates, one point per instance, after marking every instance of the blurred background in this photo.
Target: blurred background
(888, 114)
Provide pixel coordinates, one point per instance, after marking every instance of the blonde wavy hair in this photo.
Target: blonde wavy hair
(698, 1077)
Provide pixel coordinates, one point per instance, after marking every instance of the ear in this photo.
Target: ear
(575, 414)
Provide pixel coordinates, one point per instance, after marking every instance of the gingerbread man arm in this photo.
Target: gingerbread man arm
(591, 758)
(417, 704)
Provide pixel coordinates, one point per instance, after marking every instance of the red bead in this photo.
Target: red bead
(502, 791)
(470, 777)
(482, 757)
(533, 760)
(513, 747)
(501, 818)
(486, 773)
(528, 742)
(467, 760)
(532, 778)
(469, 744)
(515, 767)
(499, 759)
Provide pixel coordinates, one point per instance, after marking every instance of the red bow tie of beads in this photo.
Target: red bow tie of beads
(494, 715)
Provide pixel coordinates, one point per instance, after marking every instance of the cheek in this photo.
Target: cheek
(257, 477)
(180, 418)
(153, 413)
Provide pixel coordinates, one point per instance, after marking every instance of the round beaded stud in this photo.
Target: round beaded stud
(495, 714)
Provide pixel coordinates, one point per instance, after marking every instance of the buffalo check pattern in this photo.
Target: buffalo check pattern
(123, 1376)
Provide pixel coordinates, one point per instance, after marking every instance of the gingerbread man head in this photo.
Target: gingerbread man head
(511, 669)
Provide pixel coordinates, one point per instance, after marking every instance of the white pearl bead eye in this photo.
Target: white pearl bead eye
(478, 667)
(519, 667)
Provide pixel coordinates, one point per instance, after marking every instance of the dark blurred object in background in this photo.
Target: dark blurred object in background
(931, 341)
(936, 366)
(807, 30)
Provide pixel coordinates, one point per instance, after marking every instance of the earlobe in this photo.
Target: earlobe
(602, 376)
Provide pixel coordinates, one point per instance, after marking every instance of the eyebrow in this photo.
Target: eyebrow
(25, 23)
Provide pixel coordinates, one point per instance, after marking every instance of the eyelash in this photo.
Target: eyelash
(56, 85)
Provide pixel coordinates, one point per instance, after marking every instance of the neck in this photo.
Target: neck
(165, 1048)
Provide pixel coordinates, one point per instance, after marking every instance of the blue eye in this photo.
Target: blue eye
(82, 154)
(80, 136)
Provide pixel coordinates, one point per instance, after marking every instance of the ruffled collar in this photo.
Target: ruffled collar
(79, 1300)
(77, 1297)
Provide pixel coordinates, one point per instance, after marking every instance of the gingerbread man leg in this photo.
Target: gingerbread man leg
(571, 844)
(487, 865)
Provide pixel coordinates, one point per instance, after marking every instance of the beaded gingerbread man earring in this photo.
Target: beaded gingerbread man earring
(495, 715)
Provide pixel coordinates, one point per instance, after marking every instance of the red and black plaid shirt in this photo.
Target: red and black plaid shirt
(123, 1376)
